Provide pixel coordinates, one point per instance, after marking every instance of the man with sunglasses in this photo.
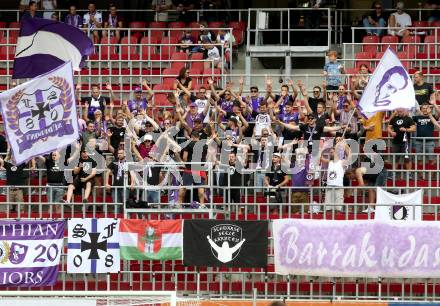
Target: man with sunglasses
(399, 21)
(316, 97)
(375, 19)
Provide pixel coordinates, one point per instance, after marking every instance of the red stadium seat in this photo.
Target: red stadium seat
(370, 44)
(389, 41)
(241, 25)
(7, 52)
(239, 37)
(131, 51)
(411, 44)
(362, 58)
(177, 24)
(216, 24)
(2, 24)
(420, 24)
(137, 24)
(170, 72)
(107, 50)
(197, 56)
(405, 59)
(148, 51)
(179, 60)
(433, 46)
(166, 51)
(175, 33)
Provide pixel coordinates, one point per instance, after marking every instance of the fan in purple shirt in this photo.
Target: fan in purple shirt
(73, 18)
(138, 103)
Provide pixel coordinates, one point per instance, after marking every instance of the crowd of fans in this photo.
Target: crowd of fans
(227, 137)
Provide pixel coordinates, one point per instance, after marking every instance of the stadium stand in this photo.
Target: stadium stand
(176, 97)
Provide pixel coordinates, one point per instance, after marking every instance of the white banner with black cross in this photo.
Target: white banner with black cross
(93, 246)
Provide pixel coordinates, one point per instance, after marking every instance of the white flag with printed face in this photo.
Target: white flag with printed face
(401, 207)
(93, 246)
(40, 115)
(390, 87)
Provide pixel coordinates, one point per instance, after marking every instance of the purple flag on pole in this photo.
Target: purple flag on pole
(45, 44)
(30, 252)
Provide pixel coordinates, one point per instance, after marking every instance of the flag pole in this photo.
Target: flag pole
(349, 119)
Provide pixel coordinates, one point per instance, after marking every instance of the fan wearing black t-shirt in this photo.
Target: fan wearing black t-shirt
(116, 134)
(55, 178)
(231, 179)
(117, 169)
(276, 178)
(400, 128)
(85, 173)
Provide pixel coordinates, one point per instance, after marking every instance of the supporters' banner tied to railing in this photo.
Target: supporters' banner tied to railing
(40, 115)
(357, 248)
(45, 44)
(30, 252)
(401, 207)
(151, 239)
(220, 243)
(93, 246)
(390, 87)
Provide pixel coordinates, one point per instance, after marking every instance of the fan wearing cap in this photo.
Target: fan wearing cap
(235, 126)
(202, 101)
(143, 150)
(139, 102)
(399, 21)
(191, 119)
(348, 120)
(276, 178)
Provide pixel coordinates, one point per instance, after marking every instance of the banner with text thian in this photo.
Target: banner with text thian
(357, 248)
(30, 252)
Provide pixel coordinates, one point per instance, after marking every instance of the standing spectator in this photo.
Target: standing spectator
(193, 178)
(89, 133)
(96, 101)
(375, 19)
(32, 11)
(117, 170)
(92, 21)
(301, 179)
(399, 21)
(212, 53)
(16, 179)
(334, 193)
(424, 143)
(333, 70)
(139, 103)
(262, 120)
(422, 89)
(55, 179)
(275, 179)
(261, 159)
(315, 98)
(360, 81)
(116, 134)
(74, 19)
(113, 20)
(373, 126)
(84, 173)
(231, 179)
(48, 6)
(400, 128)
(348, 118)
(161, 7)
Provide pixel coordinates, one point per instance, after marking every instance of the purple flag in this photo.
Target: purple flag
(44, 44)
(30, 252)
(357, 248)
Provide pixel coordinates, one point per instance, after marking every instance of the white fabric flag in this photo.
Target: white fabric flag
(389, 88)
(40, 115)
(398, 207)
(93, 246)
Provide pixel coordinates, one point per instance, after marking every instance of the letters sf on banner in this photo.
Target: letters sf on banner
(93, 246)
(40, 115)
(30, 252)
(357, 248)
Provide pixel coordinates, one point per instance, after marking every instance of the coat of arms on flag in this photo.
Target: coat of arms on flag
(40, 115)
(400, 207)
(151, 239)
(93, 246)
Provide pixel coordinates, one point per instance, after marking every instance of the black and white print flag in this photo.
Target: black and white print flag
(218, 243)
(93, 246)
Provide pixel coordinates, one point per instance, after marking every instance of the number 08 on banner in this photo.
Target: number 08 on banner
(93, 246)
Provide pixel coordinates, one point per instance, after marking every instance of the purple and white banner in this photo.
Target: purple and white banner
(358, 248)
(30, 252)
(40, 115)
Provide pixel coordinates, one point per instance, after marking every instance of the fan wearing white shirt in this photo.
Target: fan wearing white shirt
(92, 20)
(399, 22)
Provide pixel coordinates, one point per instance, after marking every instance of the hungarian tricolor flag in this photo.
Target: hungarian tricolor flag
(151, 239)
